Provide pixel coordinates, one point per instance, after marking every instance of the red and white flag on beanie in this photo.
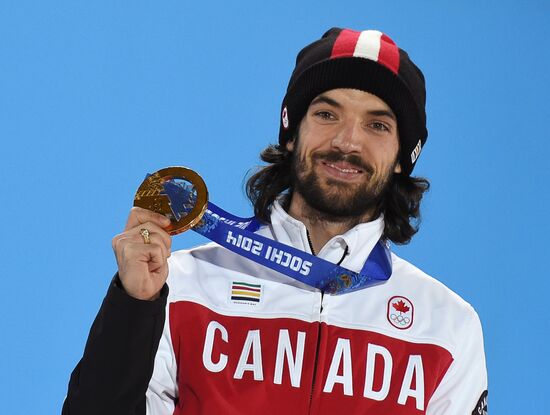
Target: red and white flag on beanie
(369, 44)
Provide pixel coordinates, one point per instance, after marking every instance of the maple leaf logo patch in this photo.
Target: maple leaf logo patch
(400, 306)
(400, 312)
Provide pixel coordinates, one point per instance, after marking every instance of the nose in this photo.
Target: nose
(349, 138)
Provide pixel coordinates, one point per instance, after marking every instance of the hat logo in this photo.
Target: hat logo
(284, 118)
(416, 152)
(400, 312)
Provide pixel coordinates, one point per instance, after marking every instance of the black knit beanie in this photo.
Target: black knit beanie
(369, 61)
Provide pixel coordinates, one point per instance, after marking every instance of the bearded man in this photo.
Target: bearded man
(232, 337)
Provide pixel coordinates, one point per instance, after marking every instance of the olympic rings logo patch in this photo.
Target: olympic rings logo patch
(400, 312)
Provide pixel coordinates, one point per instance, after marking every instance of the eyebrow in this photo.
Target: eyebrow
(383, 113)
(379, 113)
(326, 100)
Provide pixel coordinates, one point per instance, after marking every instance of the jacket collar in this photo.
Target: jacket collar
(359, 240)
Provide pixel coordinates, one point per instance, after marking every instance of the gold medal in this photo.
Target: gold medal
(178, 193)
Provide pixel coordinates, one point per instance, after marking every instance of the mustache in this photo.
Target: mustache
(335, 156)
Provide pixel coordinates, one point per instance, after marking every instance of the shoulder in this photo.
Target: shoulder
(188, 262)
(439, 311)
(185, 257)
(425, 286)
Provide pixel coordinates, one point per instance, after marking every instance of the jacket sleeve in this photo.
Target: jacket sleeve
(463, 389)
(114, 372)
(162, 393)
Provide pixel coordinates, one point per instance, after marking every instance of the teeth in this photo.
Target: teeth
(344, 170)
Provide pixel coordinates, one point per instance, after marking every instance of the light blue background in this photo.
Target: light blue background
(94, 94)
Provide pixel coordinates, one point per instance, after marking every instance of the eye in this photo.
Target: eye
(379, 126)
(324, 115)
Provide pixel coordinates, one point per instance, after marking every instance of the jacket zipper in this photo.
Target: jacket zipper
(318, 335)
(319, 326)
(316, 358)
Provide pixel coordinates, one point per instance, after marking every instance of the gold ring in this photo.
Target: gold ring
(145, 235)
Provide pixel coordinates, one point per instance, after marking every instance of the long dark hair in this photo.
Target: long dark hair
(400, 203)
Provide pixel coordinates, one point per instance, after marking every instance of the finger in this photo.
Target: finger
(131, 245)
(157, 258)
(154, 230)
(142, 268)
(133, 253)
(139, 216)
(157, 235)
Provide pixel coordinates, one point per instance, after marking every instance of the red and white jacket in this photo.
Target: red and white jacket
(242, 339)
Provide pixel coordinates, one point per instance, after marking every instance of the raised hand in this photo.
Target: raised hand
(141, 252)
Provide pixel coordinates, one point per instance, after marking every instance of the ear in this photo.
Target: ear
(290, 145)
(397, 168)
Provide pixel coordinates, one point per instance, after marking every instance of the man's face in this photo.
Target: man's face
(345, 153)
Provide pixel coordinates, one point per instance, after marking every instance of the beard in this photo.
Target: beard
(336, 200)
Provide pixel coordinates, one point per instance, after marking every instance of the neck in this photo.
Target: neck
(322, 227)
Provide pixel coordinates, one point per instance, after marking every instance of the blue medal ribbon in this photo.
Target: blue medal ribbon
(238, 235)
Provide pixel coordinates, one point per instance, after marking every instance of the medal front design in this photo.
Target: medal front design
(178, 193)
(400, 312)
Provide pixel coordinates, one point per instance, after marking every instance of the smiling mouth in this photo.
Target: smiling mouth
(349, 170)
(344, 172)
